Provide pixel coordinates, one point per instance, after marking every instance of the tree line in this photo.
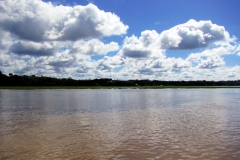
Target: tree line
(32, 80)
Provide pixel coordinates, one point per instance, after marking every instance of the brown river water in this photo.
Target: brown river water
(120, 124)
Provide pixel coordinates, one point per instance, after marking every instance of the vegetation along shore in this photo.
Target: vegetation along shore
(41, 82)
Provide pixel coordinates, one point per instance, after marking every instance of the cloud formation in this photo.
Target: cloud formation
(212, 62)
(33, 48)
(110, 63)
(192, 35)
(42, 38)
(37, 21)
(145, 46)
(93, 47)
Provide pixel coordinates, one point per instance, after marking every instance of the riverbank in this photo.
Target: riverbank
(111, 87)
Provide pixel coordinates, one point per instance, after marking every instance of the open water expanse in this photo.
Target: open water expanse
(124, 124)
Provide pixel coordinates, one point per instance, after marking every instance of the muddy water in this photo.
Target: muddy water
(120, 124)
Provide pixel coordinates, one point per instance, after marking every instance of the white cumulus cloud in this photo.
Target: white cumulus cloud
(212, 62)
(36, 20)
(110, 63)
(42, 38)
(189, 35)
(142, 47)
(193, 34)
(93, 47)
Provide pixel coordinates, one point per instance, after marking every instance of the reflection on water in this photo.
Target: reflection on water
(120, 124)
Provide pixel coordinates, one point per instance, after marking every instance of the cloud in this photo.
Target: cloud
(231, 75)
(33, 48)
(186, 75)
(134, 48)
(57, 63)
(93, 47)
(238, 50)
(154, 67)
(84, 68)
(27, 19)
(5, 60)
(37, 21)
(110, 63)
(5, 41)
(218, 51)
(136, 52)
(226, 73)
(179, 64)
(212, 62)
(90, 22)
(142, 47)
(192, 35)
(212, 58)
(40, 38)
(170, 64)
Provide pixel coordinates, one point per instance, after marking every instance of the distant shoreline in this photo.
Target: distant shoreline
(112, 87)
(34, 81)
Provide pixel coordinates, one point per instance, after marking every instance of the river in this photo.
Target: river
(120, 124)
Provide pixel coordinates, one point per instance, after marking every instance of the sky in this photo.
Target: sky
(121, 39)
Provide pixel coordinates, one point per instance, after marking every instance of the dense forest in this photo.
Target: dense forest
(24, 80)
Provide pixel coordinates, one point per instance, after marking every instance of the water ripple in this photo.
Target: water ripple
(189, 130)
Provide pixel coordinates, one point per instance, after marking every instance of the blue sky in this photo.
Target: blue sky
(121, 39)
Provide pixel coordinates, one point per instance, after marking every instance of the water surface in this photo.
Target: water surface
(120, 124)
